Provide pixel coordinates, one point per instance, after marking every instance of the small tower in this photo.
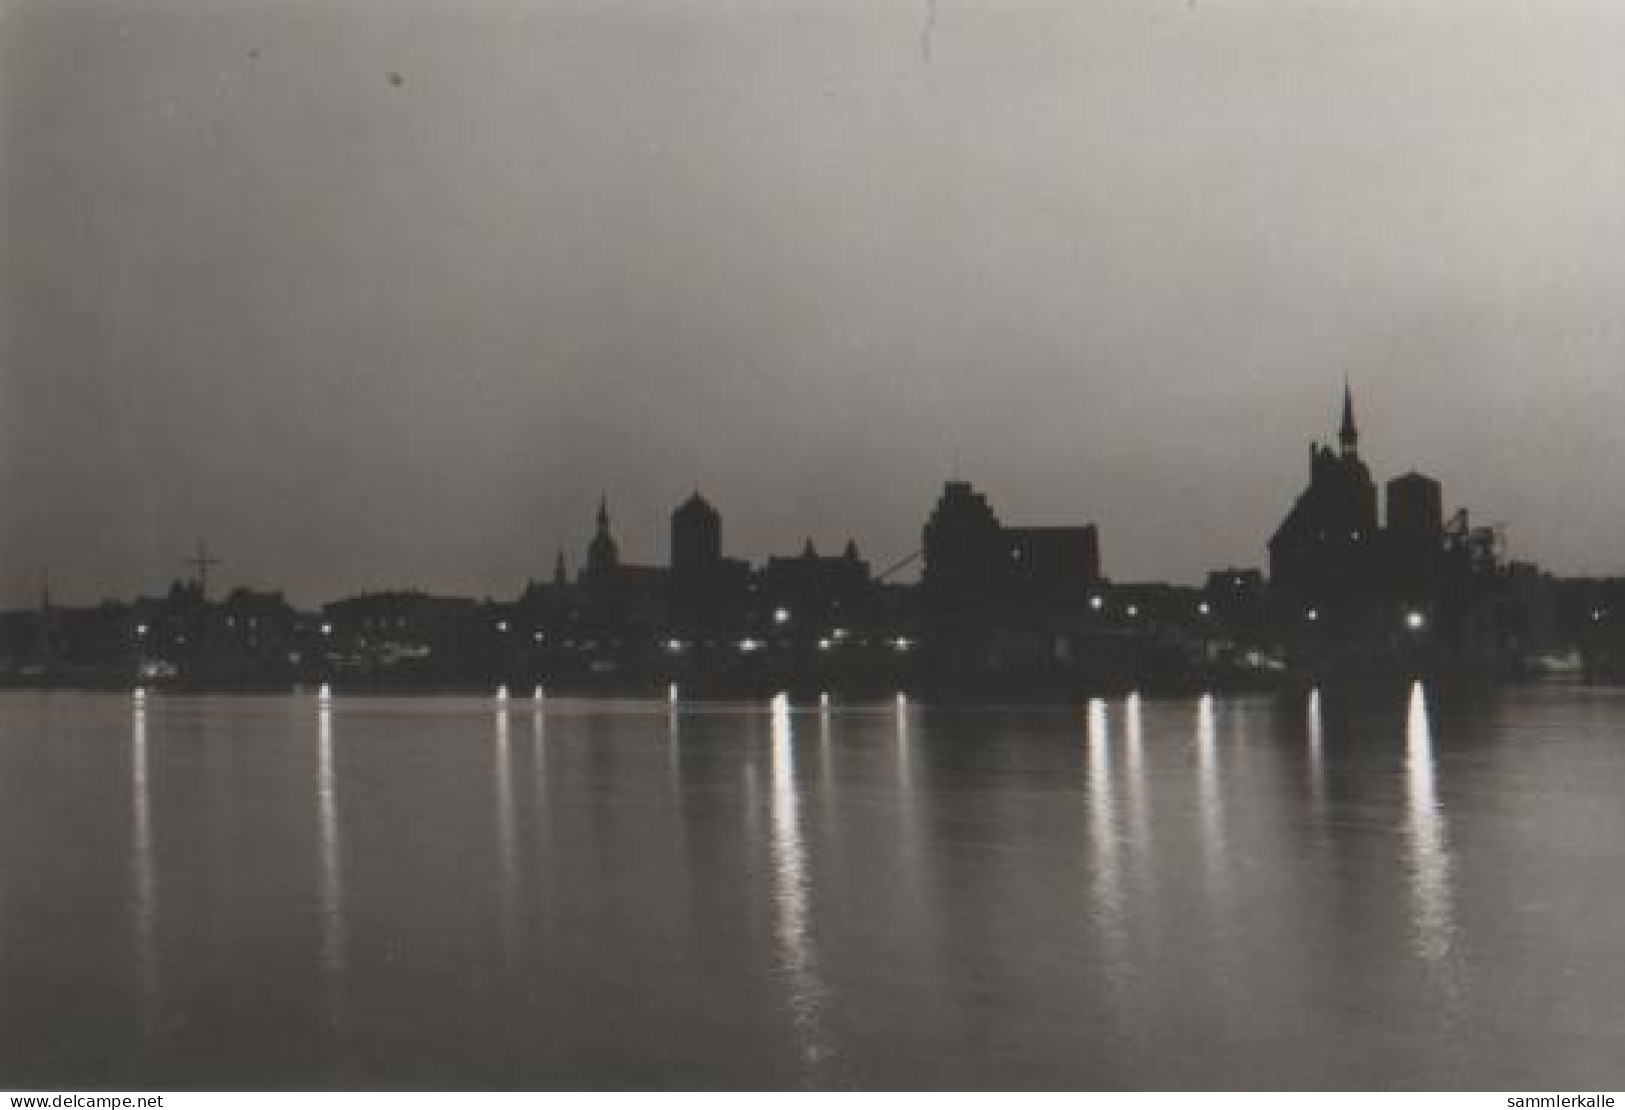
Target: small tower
(696, 536)
(603, 554)
(1348, 436)
(559, 573)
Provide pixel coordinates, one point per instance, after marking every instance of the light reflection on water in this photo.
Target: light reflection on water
(1210, 801)
(507, 832)
(1427, 836)
(912, 895)
(790, 893)
(331, 870)
(1317, 752)
(142, 868)
(1139, 796)
(1108, 891)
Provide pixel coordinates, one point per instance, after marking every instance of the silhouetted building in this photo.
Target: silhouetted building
(1413, 542)
(972, 561)
(696, 536)
(709, 594)
(1053, 565)
(1327, 542)
(811, 596)
(401, 631)
(963, 546)
(603, 554)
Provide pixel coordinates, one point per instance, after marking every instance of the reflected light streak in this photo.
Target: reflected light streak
(1425, 832)
(1317, 739)
(1108, 894)
(825, 766)
(1208, 799)
(332, 885)
(142, 868)
(1139, 800)
(790, 893)
(507, 831)
(903, 753)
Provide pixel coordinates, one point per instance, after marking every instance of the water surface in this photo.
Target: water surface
(1406, 888)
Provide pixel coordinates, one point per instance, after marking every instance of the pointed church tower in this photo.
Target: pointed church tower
(1348, 436)
(559, 574)
(602, 553)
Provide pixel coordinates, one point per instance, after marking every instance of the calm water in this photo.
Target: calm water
(1395, 890)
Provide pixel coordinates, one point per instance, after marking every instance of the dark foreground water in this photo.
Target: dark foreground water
(1396, 889)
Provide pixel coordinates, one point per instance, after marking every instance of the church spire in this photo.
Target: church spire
(602, 553)
(1348, 436)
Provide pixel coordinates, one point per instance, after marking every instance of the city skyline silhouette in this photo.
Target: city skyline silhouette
(1115, 260)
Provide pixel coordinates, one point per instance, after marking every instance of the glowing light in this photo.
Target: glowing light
(1132, 610)
(140, 630)
(327, 630)
(325, 693)
(839, 634)
(502, 693)
(825, 644)
(1103, 818)
(142, 869)
(902, 643)
(1434, 918)
(1097, 603)
(781, 616)
(502, 626)
(538, 637)
(749, 645)
(1204, 608)
(792, 918)
(537, 694)
(140, 694)
(674, 645)
(671, 693)
(1415, 621)
(1313, 615)
(331, 862)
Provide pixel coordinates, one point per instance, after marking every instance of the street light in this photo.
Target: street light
(781, 616)
(1415, 621)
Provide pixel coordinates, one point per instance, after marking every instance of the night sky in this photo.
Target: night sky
(374, 293)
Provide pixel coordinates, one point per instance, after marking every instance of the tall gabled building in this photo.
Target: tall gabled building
(1328, 542)
(972, 560)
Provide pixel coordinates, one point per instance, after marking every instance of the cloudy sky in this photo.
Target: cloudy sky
(374, 292)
